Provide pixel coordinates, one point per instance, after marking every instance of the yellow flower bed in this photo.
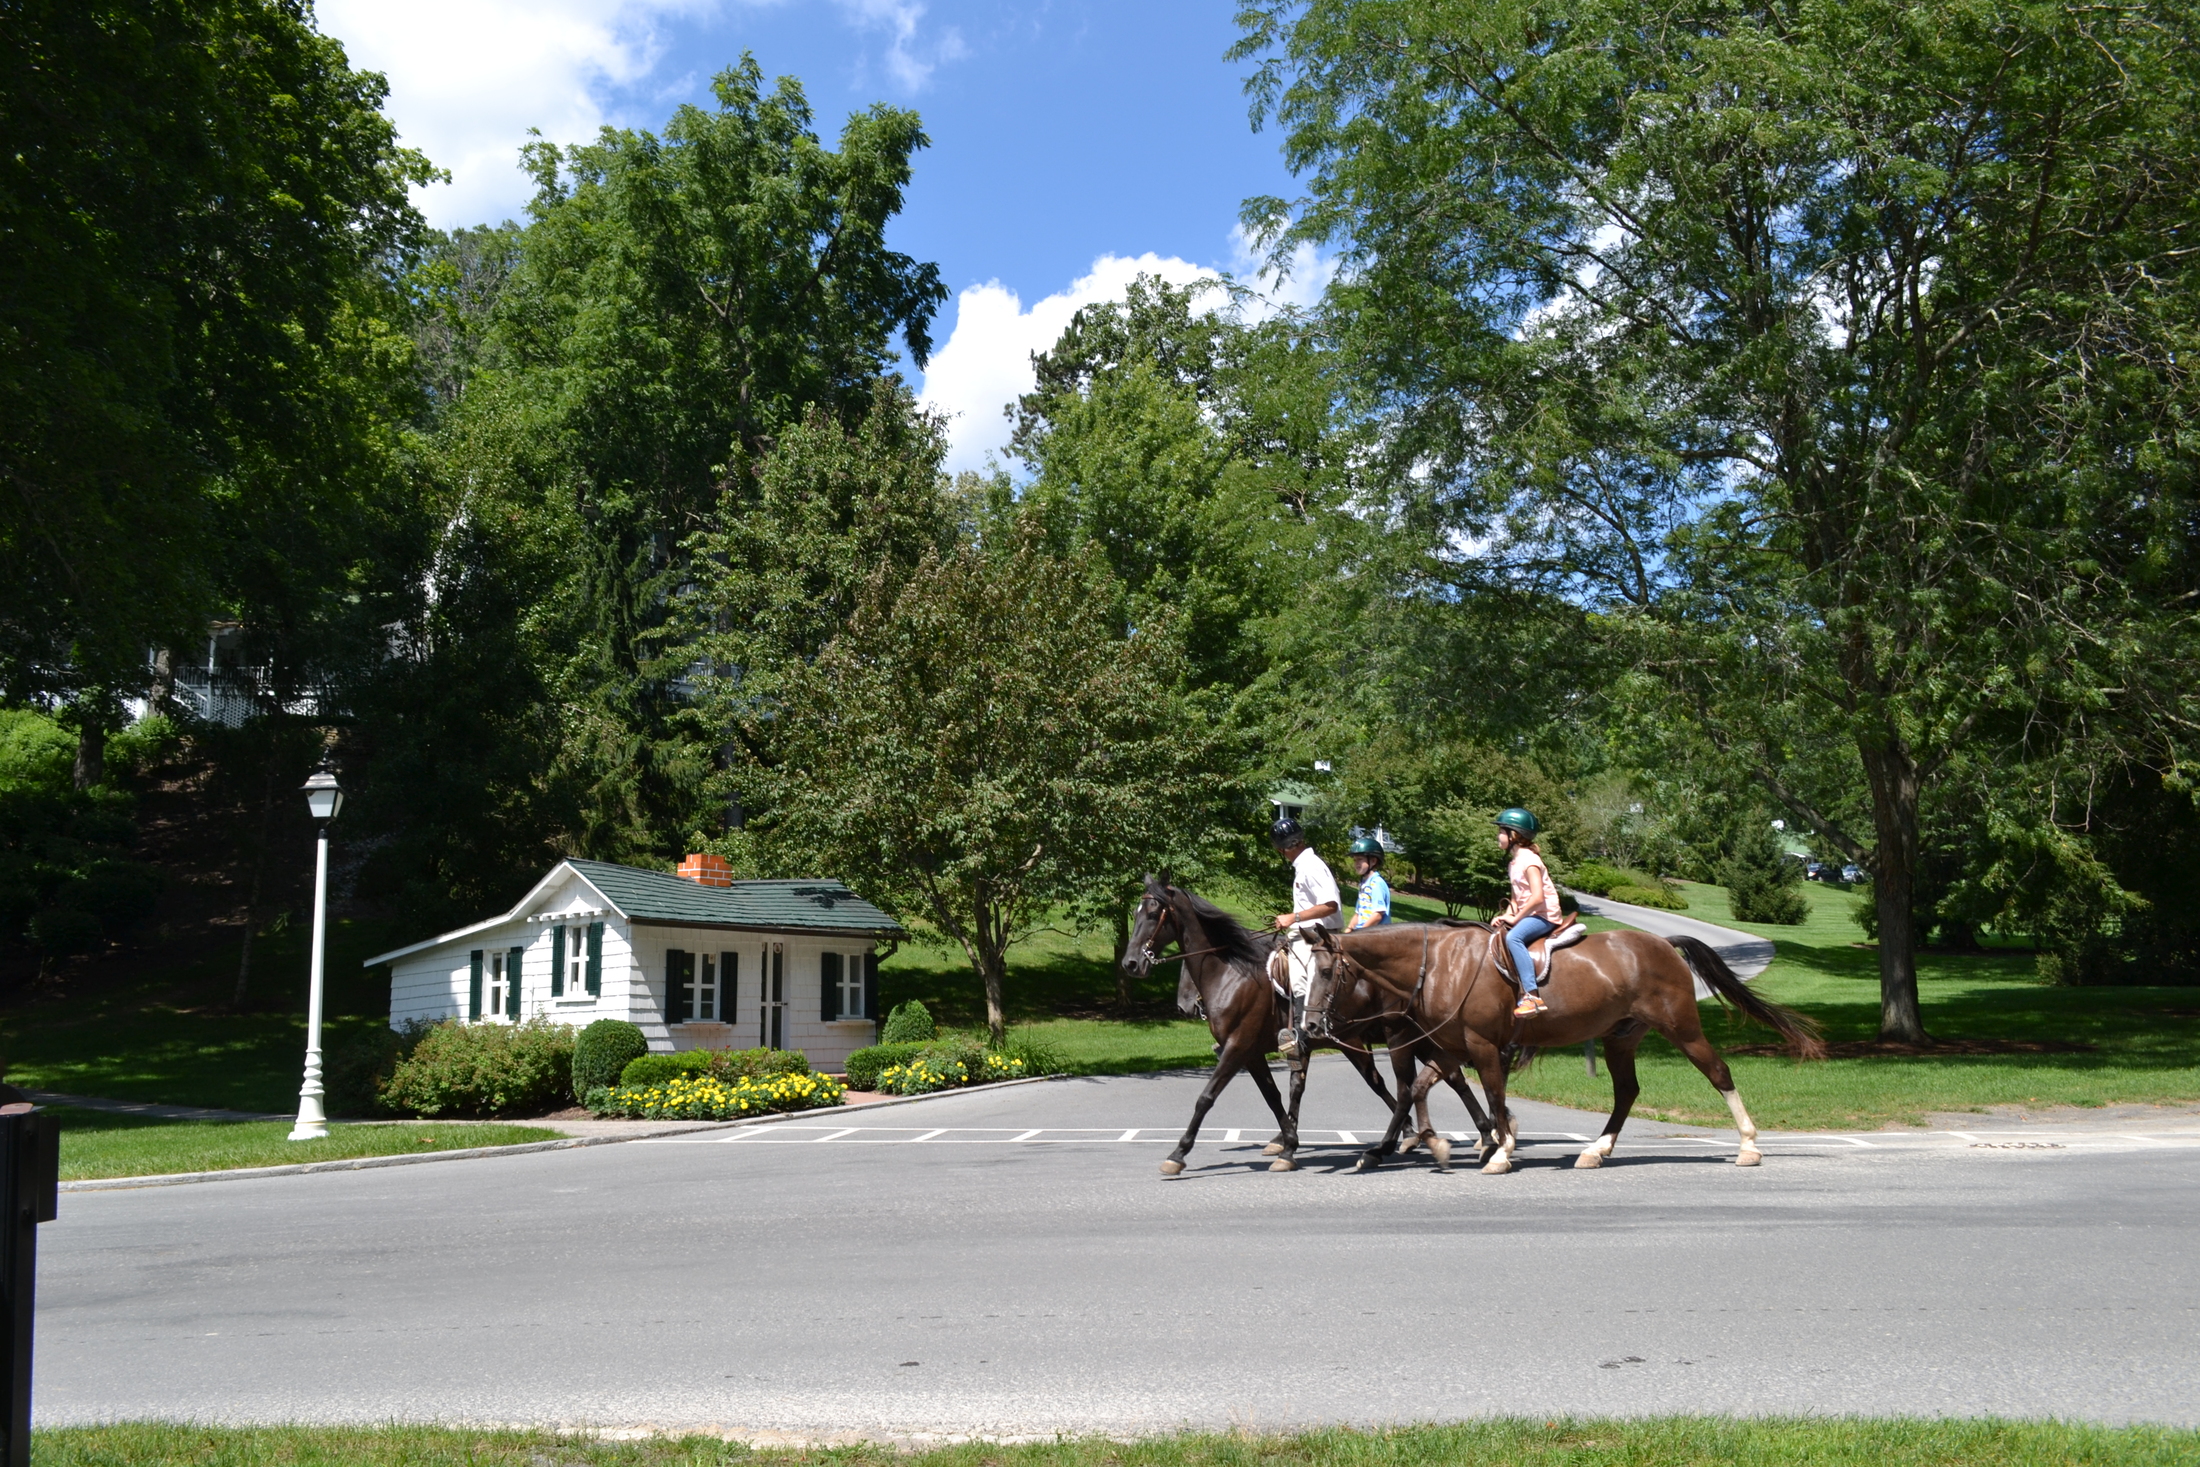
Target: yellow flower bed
(929, 1072)
(704, 1098)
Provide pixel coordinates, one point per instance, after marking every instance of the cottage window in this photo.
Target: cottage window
(702, 987)
(496, 981)
(576, 962)
(845, 989)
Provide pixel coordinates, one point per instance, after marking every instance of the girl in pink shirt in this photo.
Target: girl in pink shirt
(1533, 911)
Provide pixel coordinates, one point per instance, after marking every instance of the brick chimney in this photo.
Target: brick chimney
(707, 870)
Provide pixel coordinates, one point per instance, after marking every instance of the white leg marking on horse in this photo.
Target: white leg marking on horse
(1750, 1155)
(1502, 1162)
(1598, 1150)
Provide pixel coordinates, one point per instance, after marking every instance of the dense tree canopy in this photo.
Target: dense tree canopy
(1834, 353)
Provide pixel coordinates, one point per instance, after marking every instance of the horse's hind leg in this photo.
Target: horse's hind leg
(1227, 1065)
(1619, 1058)
(1689, 1040)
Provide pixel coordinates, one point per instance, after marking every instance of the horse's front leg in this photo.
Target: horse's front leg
(1489, 1060)
(1407, 1099)
(1227, 1064)
(1285, 1148)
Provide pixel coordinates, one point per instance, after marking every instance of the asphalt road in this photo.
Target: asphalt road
(1009, 1263)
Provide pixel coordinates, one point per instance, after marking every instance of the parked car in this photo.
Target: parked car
(1814, 871)
(1852, 873)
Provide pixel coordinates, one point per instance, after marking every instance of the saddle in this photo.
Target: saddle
(1568, 932)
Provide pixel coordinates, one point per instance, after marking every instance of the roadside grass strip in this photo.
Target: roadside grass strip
(96, 1144)
(1672, 1441)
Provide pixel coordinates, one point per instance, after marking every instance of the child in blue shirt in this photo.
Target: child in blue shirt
(1373, 907)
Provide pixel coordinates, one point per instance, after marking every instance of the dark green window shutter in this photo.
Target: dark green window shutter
(676, 974)
(828, 998)
(557, 962)
(729, 972)
(595, 960)
(473, 994)
(870, 985)
(512, 967)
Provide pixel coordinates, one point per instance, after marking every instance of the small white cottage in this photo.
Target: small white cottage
(697, 960)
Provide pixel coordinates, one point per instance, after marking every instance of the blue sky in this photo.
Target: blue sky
(1074, 143)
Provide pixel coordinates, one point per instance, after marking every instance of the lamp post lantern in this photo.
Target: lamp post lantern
(324, 798)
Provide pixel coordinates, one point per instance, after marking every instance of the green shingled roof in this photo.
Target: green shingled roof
(775, 906)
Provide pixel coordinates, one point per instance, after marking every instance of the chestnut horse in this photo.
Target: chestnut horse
(1456, 987)
(1224, 979)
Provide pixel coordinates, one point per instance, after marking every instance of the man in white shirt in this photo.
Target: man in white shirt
(1315, 903)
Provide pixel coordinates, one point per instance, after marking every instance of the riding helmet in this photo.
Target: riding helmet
(1517, 819)
(1367, 845)
(1285, 832)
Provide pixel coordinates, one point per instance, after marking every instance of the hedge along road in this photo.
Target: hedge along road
(1015, 1289)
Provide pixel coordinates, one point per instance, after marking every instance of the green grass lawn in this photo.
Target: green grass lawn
(2145, 1042)
(1673, 1441)
(170, 1038)
(167, 1038)
(98, 1144)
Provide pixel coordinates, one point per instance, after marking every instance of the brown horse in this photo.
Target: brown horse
(1456, 987)
(1224, 979)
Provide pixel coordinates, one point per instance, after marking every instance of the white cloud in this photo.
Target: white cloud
(985, 363)
(1299, 284)
(469, 77)
(910, 64)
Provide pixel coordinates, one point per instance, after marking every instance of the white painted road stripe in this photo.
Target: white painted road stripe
(780, 1135)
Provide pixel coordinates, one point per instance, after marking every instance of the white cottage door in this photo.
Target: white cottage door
(772, 991)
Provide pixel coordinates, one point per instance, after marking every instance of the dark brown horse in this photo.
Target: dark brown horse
(1224, 979)
(1455, 986)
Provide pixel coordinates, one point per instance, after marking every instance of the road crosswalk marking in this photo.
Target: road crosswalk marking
(1828, 1143)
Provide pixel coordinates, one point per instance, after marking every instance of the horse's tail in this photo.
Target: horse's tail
(1797, 1029)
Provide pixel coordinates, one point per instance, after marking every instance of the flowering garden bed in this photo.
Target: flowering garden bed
(709, 1098)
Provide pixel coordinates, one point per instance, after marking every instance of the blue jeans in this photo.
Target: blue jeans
(1517, 938)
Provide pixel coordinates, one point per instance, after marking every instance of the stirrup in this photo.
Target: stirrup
(1529, 1006)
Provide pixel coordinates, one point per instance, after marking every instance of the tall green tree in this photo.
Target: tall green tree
(678, 302)
(197, 200)
(1835, 352)
(983, 744)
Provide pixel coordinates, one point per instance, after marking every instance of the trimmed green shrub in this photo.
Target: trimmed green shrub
(701, 1097)
(1649, 896)
(909, 1023)
(602, 1053)
(658, 1069)
(483, 1070)
(758, 1063)
(360, 1065)
(865, 1065)
(1596, 878)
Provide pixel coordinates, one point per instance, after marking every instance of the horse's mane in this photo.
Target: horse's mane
(1223, 932)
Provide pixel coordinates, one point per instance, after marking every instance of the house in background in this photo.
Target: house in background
(697, 960)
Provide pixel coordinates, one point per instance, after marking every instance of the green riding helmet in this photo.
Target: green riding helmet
(1519, 821)
(1367, 845)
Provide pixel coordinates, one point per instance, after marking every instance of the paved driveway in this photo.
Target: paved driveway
(1010, 1262)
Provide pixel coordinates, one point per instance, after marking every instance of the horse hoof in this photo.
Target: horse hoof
(1273, 1148)
(1497, 1165)
(1749, 1157)
(1171, 1168)
(1368, 1162)
(1589, 1160)
(1408, 1144)
(1440, 1148)
(1283, 1164)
